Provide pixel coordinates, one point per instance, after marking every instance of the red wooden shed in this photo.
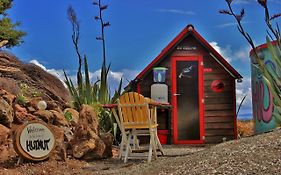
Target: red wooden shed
(201, 90)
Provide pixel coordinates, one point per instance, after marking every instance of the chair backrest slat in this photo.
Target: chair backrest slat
(128, 109)
(132, 100)
(135, 101)
(144, 111)
(134, 108)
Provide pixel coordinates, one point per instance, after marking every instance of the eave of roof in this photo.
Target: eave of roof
(189, 29)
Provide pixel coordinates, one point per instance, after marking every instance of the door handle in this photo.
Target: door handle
(177, 94)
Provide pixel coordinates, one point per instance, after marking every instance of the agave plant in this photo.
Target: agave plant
(271, 75)
(86, 93)
(94, 95)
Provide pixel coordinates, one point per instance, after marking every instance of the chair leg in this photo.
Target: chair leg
(150, 150)
(153, 134)
(159, 144)
(152, 146)
(135, 140)
(122, 145)
(127, 148)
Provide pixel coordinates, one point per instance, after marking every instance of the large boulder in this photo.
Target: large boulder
(7, 96)
(33, 103)
(14, 73)
(59, 152)
(21, 114)
(52, 105)
(18, 108)
(6, 148)
(6, 113)
(22, 117)
(87, 144)
(45, 115)
(88, 119)
(107, 139)
(4, 133)
(59, 119)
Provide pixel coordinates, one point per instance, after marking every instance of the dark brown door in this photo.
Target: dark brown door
(187, 92)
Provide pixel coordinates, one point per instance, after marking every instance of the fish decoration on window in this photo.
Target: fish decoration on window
(186, 72)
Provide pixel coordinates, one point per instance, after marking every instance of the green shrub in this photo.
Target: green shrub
(68, 116)
(21, 99)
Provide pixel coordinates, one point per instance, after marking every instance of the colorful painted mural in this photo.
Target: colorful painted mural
(265, 112)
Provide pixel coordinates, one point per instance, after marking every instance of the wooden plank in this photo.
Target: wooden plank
(219, 113)
(218, 100)
(217, 95)
(224, 119)
(210, 61)
(143, 110)
(216, 106)
(122, 100)
(213, 72)
(208, 88)
(129, 109)
(137, 110)
(216, 70)
(212, 107)
(226, 89)
(219, 125)
(216, 76)
(225, 82)
(219, 132)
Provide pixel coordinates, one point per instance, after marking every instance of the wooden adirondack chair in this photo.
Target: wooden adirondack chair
(137, 118)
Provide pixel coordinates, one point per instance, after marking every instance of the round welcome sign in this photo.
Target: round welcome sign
(34, 141)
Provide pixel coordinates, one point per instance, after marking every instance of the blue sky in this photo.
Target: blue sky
(139, 31)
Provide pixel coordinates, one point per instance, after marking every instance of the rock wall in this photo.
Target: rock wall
(77, 135)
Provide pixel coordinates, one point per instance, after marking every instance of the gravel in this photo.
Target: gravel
(260, 154)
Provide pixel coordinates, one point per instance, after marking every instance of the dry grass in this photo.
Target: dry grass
(245, 128)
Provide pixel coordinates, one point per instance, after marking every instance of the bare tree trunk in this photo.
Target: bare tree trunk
(3, 43)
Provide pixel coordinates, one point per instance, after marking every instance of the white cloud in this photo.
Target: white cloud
(113, 77)
(38, 64)
(125, 74)
(230, 24)
(244, 1)
(226, 25)
(223, 51)
(58, 73)
(116, 75)
(182, 12)
(241, 54)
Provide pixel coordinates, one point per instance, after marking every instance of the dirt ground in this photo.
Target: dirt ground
(72, 166)
(259, 154)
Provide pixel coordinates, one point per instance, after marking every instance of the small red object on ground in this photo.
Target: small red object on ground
(163, 136)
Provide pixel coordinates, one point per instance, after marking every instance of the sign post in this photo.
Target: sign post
(34, 141)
